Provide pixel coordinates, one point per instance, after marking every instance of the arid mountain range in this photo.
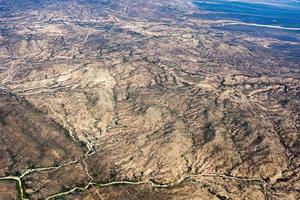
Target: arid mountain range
(135, 99)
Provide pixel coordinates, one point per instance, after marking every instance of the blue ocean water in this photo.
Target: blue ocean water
(280, 14)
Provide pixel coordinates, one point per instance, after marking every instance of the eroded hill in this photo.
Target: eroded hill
(142, 100)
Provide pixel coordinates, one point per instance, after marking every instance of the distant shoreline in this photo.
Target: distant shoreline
(263, 25)
(246, 13)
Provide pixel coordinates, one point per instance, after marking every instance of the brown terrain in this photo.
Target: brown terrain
(119, 100)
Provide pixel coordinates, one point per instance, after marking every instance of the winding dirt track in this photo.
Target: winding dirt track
(113, 183)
